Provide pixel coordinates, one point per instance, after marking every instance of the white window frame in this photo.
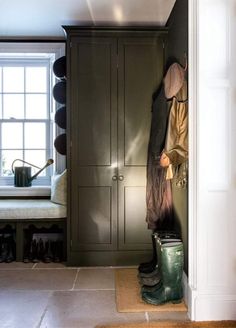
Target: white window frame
(52, 50)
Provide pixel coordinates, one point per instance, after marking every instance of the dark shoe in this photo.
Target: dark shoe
(26, 259)
(148, 274)
(47, 258)
(7, 249)
(1, 241)
(26, 255)
(10, 256)
(58, 251)
(53, 245)
(151, 281)
(148, 267)
(4, 252)
(151, 288)
(34, 252)
(11, 249)
(41, 250)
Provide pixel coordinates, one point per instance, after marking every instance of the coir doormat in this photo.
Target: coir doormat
(128, 298)
(169, 324)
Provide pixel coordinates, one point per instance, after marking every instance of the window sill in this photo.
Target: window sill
(8, 191)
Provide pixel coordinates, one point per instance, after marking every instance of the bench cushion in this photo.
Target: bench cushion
(58, 188)
(16, 209)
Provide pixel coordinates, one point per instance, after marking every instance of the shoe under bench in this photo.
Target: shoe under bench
(21, 214)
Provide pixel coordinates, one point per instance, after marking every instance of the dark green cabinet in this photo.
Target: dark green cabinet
(112, 76)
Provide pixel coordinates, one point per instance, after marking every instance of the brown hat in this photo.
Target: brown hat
(173, 80)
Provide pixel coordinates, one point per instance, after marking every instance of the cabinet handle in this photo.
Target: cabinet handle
(121, 177)
(114, 178)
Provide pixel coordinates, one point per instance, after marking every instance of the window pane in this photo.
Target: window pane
(38, 158)
(13, 106)
(35, 135)
(1, 107)
(12, 135)
(0, 79)
(13, 79)
(8, 156)
(36, 79)
(36, 106)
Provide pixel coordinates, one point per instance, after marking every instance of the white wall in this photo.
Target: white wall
(212, 207)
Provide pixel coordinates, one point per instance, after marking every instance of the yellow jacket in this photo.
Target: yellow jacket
(176, 144)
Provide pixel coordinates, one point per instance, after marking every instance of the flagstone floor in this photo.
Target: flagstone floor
(55, 296)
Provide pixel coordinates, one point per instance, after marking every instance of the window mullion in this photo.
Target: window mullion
(23, 150)
(0, 149)
(1, 93)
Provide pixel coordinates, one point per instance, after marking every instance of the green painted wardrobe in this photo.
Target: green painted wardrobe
(112, 74)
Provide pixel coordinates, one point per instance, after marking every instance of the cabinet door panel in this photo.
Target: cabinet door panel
(140, 77)
(94, 126)
(94, 96)
(141, 62)
(94, 143)
(95, 219)
(134, 200)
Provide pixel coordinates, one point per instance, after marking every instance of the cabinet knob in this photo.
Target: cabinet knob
(121, 177)
(114, 178)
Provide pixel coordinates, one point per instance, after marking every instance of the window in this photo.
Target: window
(26, 113)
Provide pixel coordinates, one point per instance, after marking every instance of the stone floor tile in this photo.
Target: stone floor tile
(16, 265)
(22, 309)
(52, 265)
(40, 279)
(85, 309)
(182, 316)
(95, 279)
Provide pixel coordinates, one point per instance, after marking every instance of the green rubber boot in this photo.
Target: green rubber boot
(171, 269)
(153, 282)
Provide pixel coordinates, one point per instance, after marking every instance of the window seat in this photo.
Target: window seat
(27, 209)
(20, 214)
(34, 191)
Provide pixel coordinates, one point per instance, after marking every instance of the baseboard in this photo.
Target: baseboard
(214, 307)
(108, 258)
(185, 287)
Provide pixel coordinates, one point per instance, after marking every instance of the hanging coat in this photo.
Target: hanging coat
(176, 144)
(158, 192)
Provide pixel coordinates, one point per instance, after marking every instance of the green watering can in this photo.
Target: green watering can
(22, 174)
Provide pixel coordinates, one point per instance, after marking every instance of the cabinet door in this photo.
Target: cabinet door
(93, 159)
(139, 74)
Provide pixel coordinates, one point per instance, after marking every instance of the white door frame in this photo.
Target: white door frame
(211, 287)
(193, 119)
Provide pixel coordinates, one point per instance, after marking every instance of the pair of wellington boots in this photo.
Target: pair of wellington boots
(148, 271)
(170, 268)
